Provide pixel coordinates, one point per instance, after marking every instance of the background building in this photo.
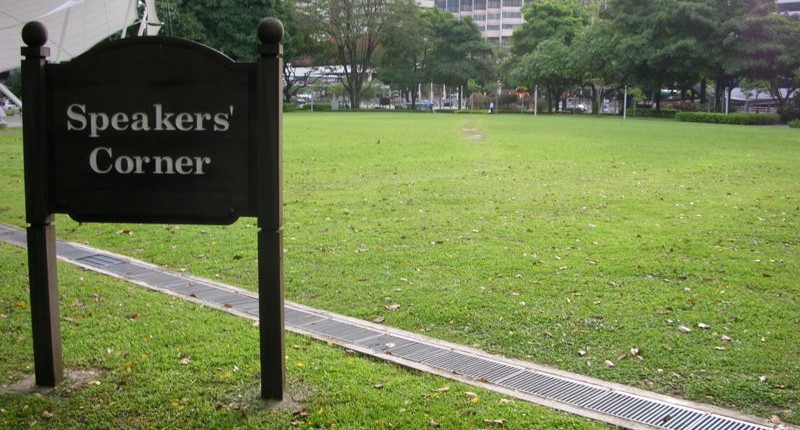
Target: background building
(792, 7)
(496, 19)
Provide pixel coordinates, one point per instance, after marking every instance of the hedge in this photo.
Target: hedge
(652, 113)
(733, 118)
(795, 123)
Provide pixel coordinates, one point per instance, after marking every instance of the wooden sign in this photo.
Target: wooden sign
(153, 130)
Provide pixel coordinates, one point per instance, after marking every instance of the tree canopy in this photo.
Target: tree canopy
(562, 44)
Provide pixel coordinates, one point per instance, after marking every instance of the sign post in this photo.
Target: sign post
(270, 209)
(47, 355)
(153, 130)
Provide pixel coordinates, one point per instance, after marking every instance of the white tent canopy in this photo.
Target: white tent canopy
(73, 26)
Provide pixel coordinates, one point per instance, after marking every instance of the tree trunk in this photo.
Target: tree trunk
(703, 95)
(657, 98)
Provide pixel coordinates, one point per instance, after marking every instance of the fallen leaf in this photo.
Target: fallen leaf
(635, 351)
(184, 361)
(470, 395)
(500, 422)
(726, 339)
(378, 386)
(684, 329)
(443, 389)
(581, 352)
(433, 424)
(762, 378)
(703, 326)
(609, 363)
(392, 307)
(47, 415)
(505, 401)
(379, 320)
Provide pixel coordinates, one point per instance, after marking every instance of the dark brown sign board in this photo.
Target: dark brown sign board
(153, 130)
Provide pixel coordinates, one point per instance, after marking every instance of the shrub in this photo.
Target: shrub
(652, 113)
(734, 118)
(319, 107)
(795, 123)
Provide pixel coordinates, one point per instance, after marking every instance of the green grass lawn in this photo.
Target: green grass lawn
(567, 241)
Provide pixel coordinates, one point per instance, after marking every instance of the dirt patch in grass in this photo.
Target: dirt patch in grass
(73, 379)
(471, 132)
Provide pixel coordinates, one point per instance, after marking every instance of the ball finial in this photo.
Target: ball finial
(34, 34)
(270, 30)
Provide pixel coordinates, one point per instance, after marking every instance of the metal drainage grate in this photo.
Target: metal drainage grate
(100, 260)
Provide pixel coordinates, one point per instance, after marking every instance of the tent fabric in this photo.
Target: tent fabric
(73, 26)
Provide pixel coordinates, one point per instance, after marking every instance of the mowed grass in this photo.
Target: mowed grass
(159, 362)
(588, 244)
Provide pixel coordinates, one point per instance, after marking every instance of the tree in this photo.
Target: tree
(305, 44)
(356, 28)
(543, 52)
(552, 65)
(458, 51)
(548, 19)
(595, 61)
(225, 25)
(404, 52)
(665, 42)
(767, 50)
